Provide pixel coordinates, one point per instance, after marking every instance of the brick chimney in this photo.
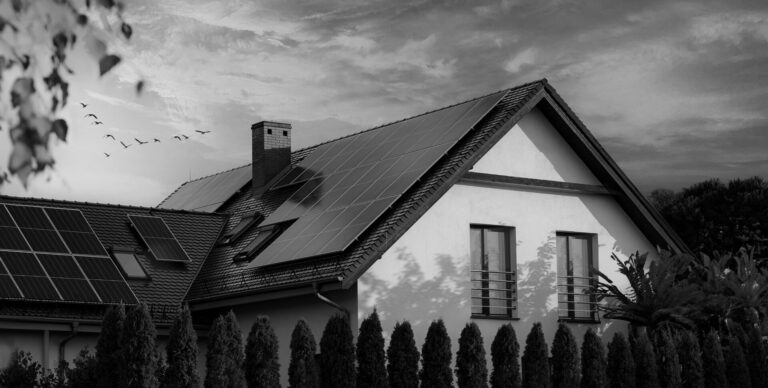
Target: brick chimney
(271, 151)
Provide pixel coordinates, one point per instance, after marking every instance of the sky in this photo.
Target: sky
(676, 91)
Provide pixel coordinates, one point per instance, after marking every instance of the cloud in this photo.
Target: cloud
(526, 57)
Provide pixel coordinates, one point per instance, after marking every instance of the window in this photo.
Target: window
(494, 284)
(575, 258)
(130, 265)
(243, 226)
(263, 238)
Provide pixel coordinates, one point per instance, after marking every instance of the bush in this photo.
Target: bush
(504, 354)
(713, 362)
(621, 366)
(181, 353)
(756, 354)
(302, 370)
(565, 359)
(736, 369)
(371, 362)
(403, 356)
(138, 347)
(262, 368)
(535, 361)
(337, 354)
(668, 362)
(645, 361)
(224, 360)
(109, 357)
(85, 372)
(22, 372)
(436, 357)
(471, 370)
(593, 361)
(689, 353)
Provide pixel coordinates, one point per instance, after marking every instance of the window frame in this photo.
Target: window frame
(127, 251)
(247, 254)
(510, 277)
(247, 222)
(570, 286)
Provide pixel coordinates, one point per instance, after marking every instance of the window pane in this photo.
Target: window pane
(130, 265)
(475, 248)
(579, 251)
(562, 256)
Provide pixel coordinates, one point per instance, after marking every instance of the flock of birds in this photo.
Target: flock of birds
(96, 121)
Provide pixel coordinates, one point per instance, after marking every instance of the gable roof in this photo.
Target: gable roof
(168, 282)
(222, 278)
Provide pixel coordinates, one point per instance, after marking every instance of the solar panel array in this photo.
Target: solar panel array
(158, 238)
(348, 183)
(52, 254)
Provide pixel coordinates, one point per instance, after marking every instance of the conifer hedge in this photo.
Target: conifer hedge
(109, 364)
(593, 361)
(689, 353)
(403, 358)
(224, 359)
(302, 370)
(565, 359)
(668, 362)
(535, 360)
(471, 369)
(436, 357)
(505, 353)
(620, 364)
(139, 351)
(713, 361)
(337, 354)
(181, 353)
(371, 361)
(736, 369)
(262, 368)
(645, 361)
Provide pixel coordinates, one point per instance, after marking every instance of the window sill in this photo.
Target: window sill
(579, 320)
(497, 318)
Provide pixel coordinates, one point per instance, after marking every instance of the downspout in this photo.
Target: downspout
(63, 343)
(329, 302)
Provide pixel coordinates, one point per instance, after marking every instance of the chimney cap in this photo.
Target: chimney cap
(271, 124)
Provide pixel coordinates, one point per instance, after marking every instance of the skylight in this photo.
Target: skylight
(130, 265)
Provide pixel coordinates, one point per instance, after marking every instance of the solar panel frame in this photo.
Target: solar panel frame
(155, 238)
(8, 288)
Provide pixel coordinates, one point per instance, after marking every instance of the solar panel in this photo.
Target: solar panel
(114, 291)
(159, 238)
(37, 287)
(99, 268)
(8, 288)
(348, 183)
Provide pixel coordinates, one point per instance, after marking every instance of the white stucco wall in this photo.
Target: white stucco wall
(425, 275)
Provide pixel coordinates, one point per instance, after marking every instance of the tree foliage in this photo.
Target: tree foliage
(181, 353)
(22, 372)
(593, 364)
(471, 369)
(39, 36)
(736, 369)
(535, 360)
(668, 362)
(689, 354)
(505, 353)
(337, 354)
(85, 372)
(224, 359)
(436, 357)
(756, 358)
(713, 361)
(403, 358)
(565, 359)
(620, 368)
(262, 367)
(139, 351)
(109, 353)
(302, 370)
(371, 361)
(645, 361)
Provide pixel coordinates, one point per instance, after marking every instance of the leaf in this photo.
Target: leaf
(43, 157)
(60, 44)
(82, 19)
(60, 129)
(21, 157)
(17, 5)
(107, 3)
(127, 30)
(139, 87)
(107, 62)
(22, 88)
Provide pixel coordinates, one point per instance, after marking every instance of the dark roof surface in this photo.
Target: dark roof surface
(208, 193)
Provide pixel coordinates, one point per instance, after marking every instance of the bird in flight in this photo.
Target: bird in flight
(96, 123)
(83, 104)
(185, 137)
(140, 142)
(157, 141)
(201, 132)
(125, 145)
(106, 154)
(177, 137)
(91, 115)
(109, 136)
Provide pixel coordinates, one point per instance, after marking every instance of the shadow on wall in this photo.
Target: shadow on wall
(537, 285)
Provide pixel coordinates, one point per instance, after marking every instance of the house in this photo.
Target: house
(491, 210)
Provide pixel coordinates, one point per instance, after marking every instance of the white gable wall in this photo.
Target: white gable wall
(425, 274)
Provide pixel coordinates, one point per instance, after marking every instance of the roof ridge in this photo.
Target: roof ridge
(105, 204)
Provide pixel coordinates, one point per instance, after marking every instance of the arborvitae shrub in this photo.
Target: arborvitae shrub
(565, 359)
(181, 353)
(535, 361)
(337, 354)
(436, 357)
(84, 372)
(224, 359)
(471, 370)
(645, 361)
(620, 364)
(689, 353)
(22, 371)
(302, 370)
(403, 357)
(755, 353)
(505, 353)
(138, 348)
(736, 369)
(109, 355)
(262, 368)
(371, 362)
(713, 361)
(667, 360)
(593, 361)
